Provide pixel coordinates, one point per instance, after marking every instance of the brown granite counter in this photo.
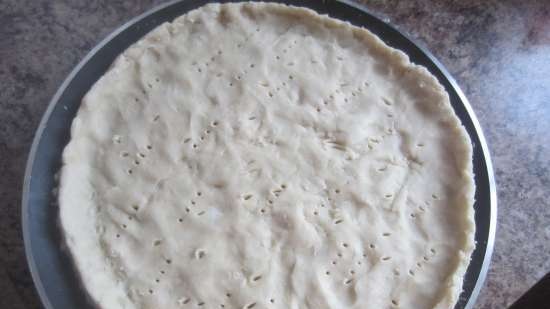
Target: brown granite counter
(499, 52)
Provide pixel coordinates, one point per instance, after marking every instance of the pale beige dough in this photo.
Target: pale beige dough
(263, 156)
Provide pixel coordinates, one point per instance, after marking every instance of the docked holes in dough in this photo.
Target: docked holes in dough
(200, 253)
(117, 139)
(256, 278)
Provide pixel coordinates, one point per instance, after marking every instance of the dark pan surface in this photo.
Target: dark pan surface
(53, 273)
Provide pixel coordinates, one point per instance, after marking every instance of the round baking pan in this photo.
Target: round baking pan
(54, 275)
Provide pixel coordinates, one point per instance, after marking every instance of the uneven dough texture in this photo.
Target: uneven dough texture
(263, 156)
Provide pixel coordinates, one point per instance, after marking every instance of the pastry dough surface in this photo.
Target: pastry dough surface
(259, 155)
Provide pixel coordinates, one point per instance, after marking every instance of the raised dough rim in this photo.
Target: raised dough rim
(42, 126)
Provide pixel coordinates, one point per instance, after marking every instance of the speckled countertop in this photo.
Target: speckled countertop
(499, 52)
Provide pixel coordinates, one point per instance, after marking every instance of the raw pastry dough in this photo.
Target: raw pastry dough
(258, 155)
